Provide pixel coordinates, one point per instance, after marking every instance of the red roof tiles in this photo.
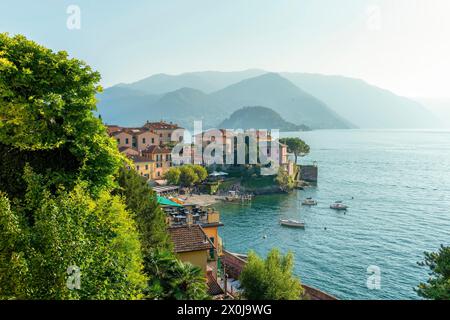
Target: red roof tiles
(189, 238)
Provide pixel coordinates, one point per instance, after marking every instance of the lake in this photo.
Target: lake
(397, 184)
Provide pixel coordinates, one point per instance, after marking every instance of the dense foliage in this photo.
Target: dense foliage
(57, 214)
(284, 180)
(46, 119)
(438, 285)
(141, 200)
(186, 175)
(270, 279)
(49, 233)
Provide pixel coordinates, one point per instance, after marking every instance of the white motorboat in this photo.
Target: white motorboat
(309, 202)
(292, 223)
(338, 205)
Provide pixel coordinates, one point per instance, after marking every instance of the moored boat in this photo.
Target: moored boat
(292, 223)
(338, 205)
(309, 202)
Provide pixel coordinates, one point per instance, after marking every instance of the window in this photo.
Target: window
(127, 141)
(153, 140)
(168, 136)
(211, 251)
(160, 135)
(146, 167)
(143, 140)
(158, 174)
(118, 141)
(137, 168)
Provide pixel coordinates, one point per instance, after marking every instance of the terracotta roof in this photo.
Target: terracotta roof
(113, 128)
(214, 288)
(156, 149)
(121, 149)
(189, 238)
(137, 159)
(131, 131)
(161, 125)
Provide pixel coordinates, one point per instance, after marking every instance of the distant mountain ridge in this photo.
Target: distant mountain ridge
(281, 95)
(363, 104)
(321, 102)
(259, 117)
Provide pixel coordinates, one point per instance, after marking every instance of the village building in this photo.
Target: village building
(162, 156)
(147, 146)
(192, 245)
(232, 143)
(165, 131)
(143, 166)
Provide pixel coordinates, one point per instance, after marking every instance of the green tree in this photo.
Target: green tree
(188, 177)
(296, 146)
(173, 176)
(58, 170)
(270, 279)
(68, 229)
(201, 172)
(173, 279)
(438, 285)
(46, 119)
(141, 200)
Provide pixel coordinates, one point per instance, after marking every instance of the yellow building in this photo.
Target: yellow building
(162, 157)
(144, 166)
(192, 245)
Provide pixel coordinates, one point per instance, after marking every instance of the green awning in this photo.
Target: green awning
(166, 202)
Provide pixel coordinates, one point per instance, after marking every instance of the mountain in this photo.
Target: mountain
(281, 95)
(206, 81)
(259, 118)
(316, 100)
(124, 106)
(132, 106)
(363, 104)
(439, 107)
(187, 105)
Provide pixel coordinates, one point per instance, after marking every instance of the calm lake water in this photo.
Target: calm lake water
(397, 184)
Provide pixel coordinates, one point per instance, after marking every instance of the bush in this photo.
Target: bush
(68, 229)
(270, 279)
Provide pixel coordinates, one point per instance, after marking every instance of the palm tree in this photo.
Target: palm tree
(173, 279)
(188, 282)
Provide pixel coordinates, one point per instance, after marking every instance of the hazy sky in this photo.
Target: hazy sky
(401, 45)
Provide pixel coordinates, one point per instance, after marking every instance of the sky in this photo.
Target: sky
(399, 45)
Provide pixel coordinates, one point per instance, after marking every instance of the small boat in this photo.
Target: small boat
(292, 223)
(309, 202)
(338, 205)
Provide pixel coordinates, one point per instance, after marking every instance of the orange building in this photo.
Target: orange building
(162, 156)
(144, 166)
(164, 131)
